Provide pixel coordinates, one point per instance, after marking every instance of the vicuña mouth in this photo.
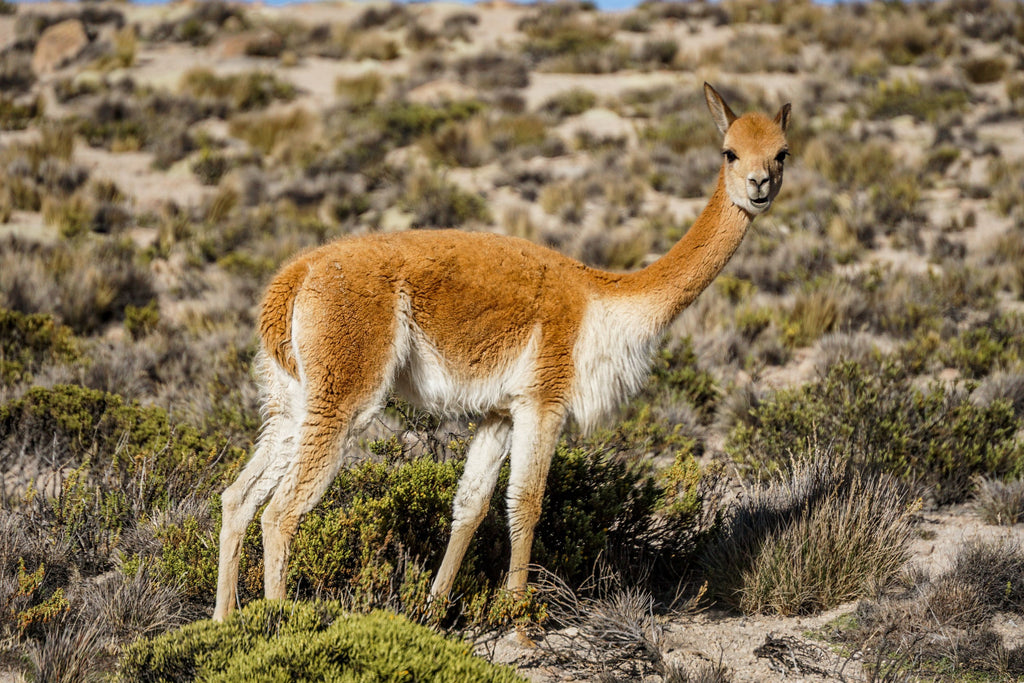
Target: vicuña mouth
(763, 201)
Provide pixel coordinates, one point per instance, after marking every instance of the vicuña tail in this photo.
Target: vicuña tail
(276, 315)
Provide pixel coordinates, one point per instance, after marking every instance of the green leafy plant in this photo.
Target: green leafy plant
(28, 341)
(933, 437)
(306, 641)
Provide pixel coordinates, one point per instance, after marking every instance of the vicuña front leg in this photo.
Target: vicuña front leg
(318, 462)
(534, 437)
(483, 463)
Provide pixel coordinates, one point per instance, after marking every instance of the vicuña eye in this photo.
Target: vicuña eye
(729, 155)
(781, 156)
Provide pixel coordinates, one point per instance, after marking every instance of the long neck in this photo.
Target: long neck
(671, 283)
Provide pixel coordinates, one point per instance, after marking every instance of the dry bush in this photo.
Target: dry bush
(1000, 502)
(459, 143)
(982, 70)
(436, 202)
(1006, 385)
(493, 70)
(773, 54)
(602, 626)
(71, 650)
(816, 536)
(84, 285)
(201, 24)
(569, 103)
(774, 262)
(374, 45)
(909, 38)
(272, 131)
(942, 630)
(359, 92)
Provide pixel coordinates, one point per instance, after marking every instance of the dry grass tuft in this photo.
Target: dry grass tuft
(812, 538)
(1000, 502)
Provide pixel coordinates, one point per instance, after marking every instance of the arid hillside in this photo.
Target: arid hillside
(822, 479)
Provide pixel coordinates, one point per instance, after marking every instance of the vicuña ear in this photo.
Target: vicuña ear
(720, 111)
(782, 118)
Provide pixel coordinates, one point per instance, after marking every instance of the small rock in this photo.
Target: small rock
(59, 44)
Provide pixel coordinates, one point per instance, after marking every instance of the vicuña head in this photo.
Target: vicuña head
(754, 150)
(468, 323)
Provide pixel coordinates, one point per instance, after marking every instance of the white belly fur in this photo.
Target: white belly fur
(427, 381)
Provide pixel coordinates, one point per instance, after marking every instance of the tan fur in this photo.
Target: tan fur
(468, 322)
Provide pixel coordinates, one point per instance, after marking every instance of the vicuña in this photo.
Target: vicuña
(469, 323)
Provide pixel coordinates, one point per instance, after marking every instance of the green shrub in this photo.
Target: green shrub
(998, 343)
(210, 167)
(554, 32)
(676, 376)
(880, 419)
(269, 641)
(404, 122)
(15, 116)
(682, 131)
(923, 101)
(28, 341)
(136, 450)
(243, 92)
(376, 517)
(437, 203)
(188, 558)
(570, 103)
(817, 536)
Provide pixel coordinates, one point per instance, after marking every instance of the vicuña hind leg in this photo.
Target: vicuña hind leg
(240, 501)
(320, 458)
(270, 460)
(483, 462)
(534, 437)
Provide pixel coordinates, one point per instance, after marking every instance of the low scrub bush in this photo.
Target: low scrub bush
(136, 450)
(933, 437)
(240, 92)
(555, 31)
(435, 202)
(377, 513)
(996, 344)
(266, 132)
(493, 70)
(83, 285)
(943, 630)
(570, 102)
(28, 341)
(359, 92)
(404, 122)
(18, 116)
(1000, 502)
(983, 70)
(923, 101)
(306, 641)
(820, 534)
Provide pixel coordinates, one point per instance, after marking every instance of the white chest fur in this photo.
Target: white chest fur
(612, 357)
